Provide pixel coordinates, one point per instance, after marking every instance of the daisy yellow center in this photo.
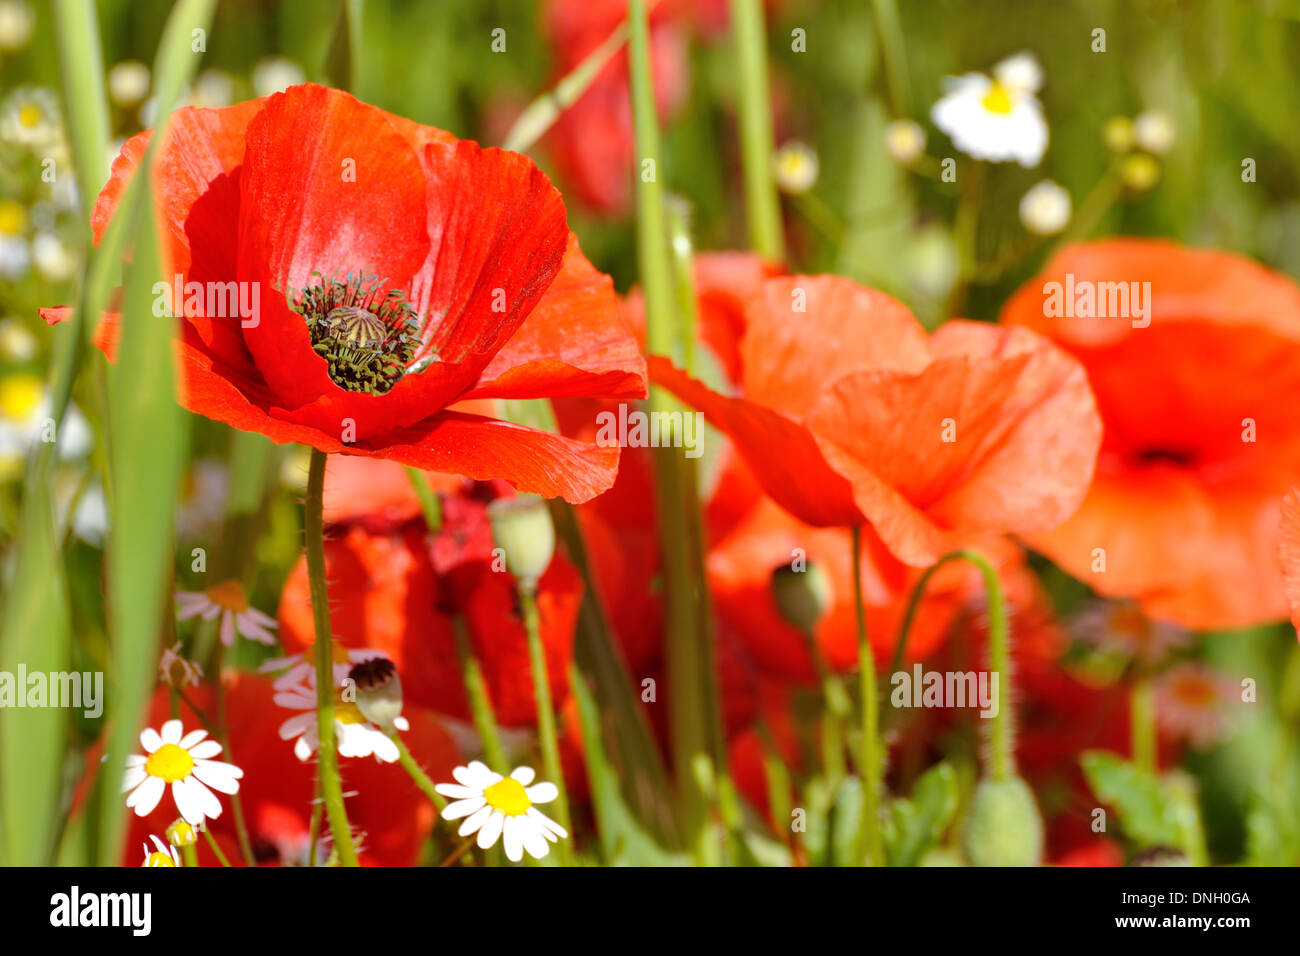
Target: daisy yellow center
(30, 116)
(13, 217)
(346, 712)
(159, 859)
(508, 796)
(228, 595)
(169, 762)
(998, 99)
(366, 335)
(20, 396)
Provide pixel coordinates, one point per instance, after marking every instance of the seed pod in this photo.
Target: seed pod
(1003, 827)
(522, 528)
(802, 597)
(379, 691)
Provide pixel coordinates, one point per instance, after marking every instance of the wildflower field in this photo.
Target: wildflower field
(798, 433)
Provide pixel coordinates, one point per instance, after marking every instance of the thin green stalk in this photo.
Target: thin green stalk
(416, 772)
(212, 842)
(756, 140)
(778, 780)
(328, 764)
(189, 855)
(869, 763)
(546, 717)
(1002, 761)
(429, 501)
(890, 32)
(480, 704)
(689, 719)
(236, 806)
(1142, 723)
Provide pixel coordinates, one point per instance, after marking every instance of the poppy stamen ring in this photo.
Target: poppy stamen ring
(368, 336)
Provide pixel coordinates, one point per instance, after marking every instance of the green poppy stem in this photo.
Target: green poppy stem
(1142, 723)
(869, 764)
(546, 717)
(416, 772)
(212, 842)
(328, 766)
(754, 105)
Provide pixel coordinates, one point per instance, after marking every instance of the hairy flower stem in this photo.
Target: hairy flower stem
(546, 716)
(416, 772)
(1002, 758)
(212, 842)
(328, 764)
(869, 763)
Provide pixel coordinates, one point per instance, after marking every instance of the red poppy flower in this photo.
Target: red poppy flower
(396, 589)
(396, 271)
(852, 415)
(1289, 552)
(1201, 439)
(277, 789)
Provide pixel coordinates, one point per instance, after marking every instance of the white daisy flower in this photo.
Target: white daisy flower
(904, 141)
(177, 671)
(164, 855)
(796, 167)
(25, 420)
(16, 24)
(354, 735)
(214, 88)
(17, 344)
(1154, 131)
(1045, 209)
(502, 807)
(183, 760)
(54, 260)
(227, 599)
(996, 118)
(31, 118)
(275, 74)
(128, 83)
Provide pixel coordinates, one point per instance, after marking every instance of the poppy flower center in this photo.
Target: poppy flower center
(169, 762)
(366, 335)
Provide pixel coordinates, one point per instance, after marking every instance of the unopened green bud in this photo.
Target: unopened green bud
(379, 691)
(802, 597)
(1003, 827)
(522, 529)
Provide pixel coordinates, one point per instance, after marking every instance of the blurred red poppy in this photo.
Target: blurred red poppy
(1289, 552)
(390, 272)
(852, 415)
(396, 589)
(1201, 437)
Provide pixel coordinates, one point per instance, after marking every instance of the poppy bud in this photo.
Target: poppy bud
(802, 597)
(379, 691)
(1003, 827)
(522, 528)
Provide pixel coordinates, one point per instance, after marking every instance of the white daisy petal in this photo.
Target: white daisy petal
(204, 749)
(218, 775)
(531, 834)
(192, 738)
(295, 726)
(456, 791)
(491, 830)
(228, 629)
(545, 821)
(133, 778)
(171, 732)
(524, 775)
(463, 808)
(475, 820)
(145, 797)
(542, 793)
(302, 749)
(150, 740)
(513, 842)
(136, 760)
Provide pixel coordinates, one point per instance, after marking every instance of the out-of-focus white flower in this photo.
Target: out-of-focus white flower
(1045, 209)
(203, 498)
(354, 735)
(296, 670)
(148, 113)
(227, 600)
(796, 167)
(128, 82)
(1117, 134)
(16, 24)
(17, 344)
(904, 141)
(933, 262)
(90, 520)
(52, 257)
(214, 88)
(1154, 131)
(1140, 172)
(15, 256)
(25, 420)
(31, 118)
(274, 74)
(996, 118)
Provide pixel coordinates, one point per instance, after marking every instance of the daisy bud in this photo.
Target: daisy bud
(1003, 827)
(802, 597)
(1154, 131)
(796, 167)
(128, 83)
(379, 691)
(1117, 134)
(1045, 209)
(522, 528)
(1140, 172)
(16, 24)
(904, 141)
(182, 833)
